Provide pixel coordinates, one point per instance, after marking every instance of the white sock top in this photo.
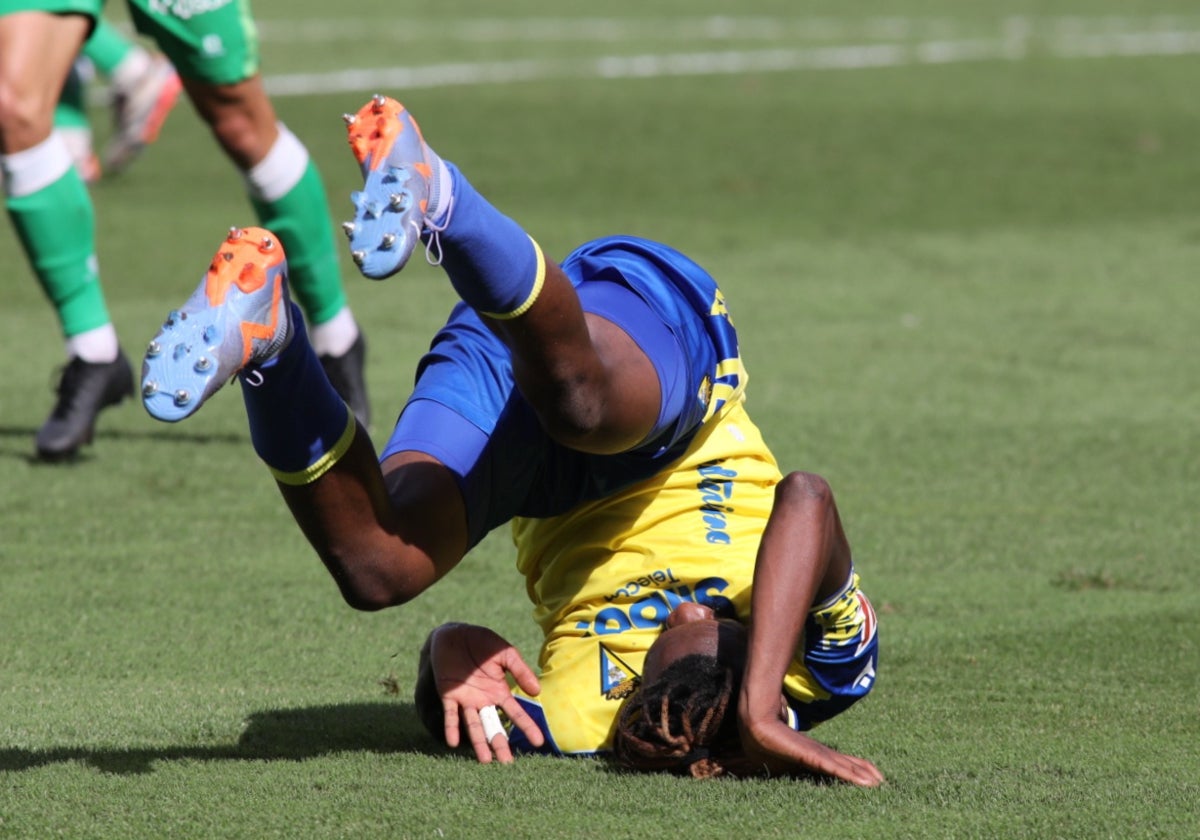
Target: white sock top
(37, 167)
(285, 164)
(334, 337)
(96, 345)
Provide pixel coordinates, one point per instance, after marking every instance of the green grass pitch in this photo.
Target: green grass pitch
(960, 243)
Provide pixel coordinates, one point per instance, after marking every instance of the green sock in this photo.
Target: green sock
(301, 221)
(56, 225)
(71, 111)
(107, 47)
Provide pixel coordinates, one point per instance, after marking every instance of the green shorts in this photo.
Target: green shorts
(91, 8)
(211, 41)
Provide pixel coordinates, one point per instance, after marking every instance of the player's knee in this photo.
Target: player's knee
(804, 486)
(22, 116)
(582, 419)
(572, 415)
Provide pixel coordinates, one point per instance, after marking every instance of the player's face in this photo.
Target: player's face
(694, 628)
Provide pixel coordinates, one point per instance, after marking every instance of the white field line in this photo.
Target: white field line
(694, 29)
(1016, 42)
(788, 44)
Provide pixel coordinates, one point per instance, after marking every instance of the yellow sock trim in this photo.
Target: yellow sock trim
(323, 464)
(538, 281)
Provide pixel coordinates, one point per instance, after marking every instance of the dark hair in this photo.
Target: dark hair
(426, 699)
(683, 722)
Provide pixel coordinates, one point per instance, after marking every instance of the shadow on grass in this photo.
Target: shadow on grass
(275, 735)
(22, 447)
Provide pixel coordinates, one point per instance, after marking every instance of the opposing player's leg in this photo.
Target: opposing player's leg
(289, 199)
(282, 181)
(52, 212)
(592, 386)
(71, 121)
(381, 547)
(145, 87)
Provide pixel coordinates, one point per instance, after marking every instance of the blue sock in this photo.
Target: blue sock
(495, 267)
(299, 425)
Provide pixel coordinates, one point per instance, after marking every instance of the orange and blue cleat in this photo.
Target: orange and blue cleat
(400, 187)
(240, 315)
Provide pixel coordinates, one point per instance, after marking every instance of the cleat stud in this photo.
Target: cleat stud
(349, 228)
(182, 397)
(210, 334)
(398, 201)
(153, 349)
(388, 241)
(235, 233)
(349, 119)
(227, 256)
(203, 364)
(150, 388)
(358, 257)
(377, 102)
(180, 351)
(267, 244)
(172, 318)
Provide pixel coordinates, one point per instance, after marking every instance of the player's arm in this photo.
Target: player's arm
(463, 669)
(803, 558)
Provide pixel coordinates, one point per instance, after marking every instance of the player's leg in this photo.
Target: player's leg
(145, 87)
(382, 545)
(53, 215)
(592, 386)
(71, 121)
(282, 181)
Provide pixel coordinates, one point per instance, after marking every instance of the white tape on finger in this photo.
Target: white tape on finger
(490, 719)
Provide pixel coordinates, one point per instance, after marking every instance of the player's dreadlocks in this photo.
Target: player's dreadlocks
(682, 722)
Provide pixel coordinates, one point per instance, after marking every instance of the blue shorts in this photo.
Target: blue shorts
(466, 411)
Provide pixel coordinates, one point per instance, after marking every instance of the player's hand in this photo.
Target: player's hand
(470, 666)
(773, 744)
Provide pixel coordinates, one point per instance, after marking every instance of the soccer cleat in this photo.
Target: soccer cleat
(399, 183)
(345, 373)
(84, 390)
(239, 315)
(139, 112)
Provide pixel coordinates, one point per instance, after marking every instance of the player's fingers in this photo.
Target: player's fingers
(522, 721)
(493, 732)
(867, 774)
(857, 771)
(502, 750)
(522, 673)
(450, 720)
(483, 750)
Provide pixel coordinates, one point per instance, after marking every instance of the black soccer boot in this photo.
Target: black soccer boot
(345, 374)
(84, 390)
